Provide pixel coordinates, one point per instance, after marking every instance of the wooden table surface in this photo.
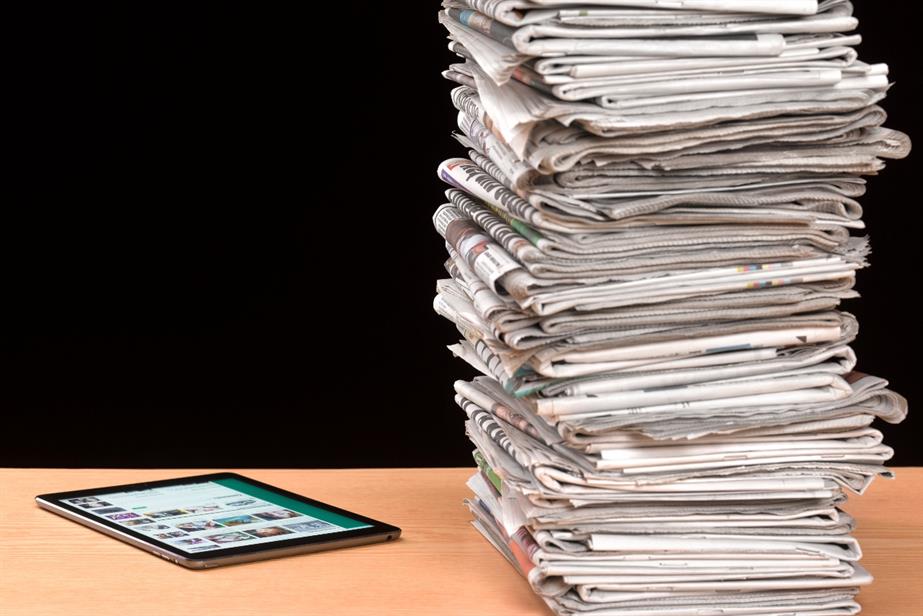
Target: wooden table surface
(440, 567)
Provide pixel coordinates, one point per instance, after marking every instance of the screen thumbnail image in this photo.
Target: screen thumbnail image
(202, 509)
(241, 503)
(137, 521)
(171, 535)
(151, 527)
(237, 520)
(190, 541)
(125, 515)
(311, 526)
(106, 510)
(199, 525)
(229, 537)
(169, 513)
(268, 531)
(277, 514)
(88, 502)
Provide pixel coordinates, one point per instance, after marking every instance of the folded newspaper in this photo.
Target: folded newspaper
(649, 238)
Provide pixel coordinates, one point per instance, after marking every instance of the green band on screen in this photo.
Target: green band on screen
(291, 503)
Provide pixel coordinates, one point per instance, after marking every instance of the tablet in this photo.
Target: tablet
(216, 519)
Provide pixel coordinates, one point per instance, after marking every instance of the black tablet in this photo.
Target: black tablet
(216, 519)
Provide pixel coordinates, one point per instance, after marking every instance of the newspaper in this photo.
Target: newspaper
(650, 234)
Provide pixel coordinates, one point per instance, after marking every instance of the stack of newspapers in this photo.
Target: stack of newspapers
(649, 241)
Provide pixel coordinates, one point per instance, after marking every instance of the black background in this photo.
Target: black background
(224, 255)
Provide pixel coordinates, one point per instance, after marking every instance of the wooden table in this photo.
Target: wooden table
(441, 566)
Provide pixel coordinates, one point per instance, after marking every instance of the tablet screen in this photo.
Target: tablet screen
(212, 515)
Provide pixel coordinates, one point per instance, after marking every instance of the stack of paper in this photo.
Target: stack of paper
(648, 244)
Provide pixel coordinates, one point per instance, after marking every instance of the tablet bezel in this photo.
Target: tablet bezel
(58, 499)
